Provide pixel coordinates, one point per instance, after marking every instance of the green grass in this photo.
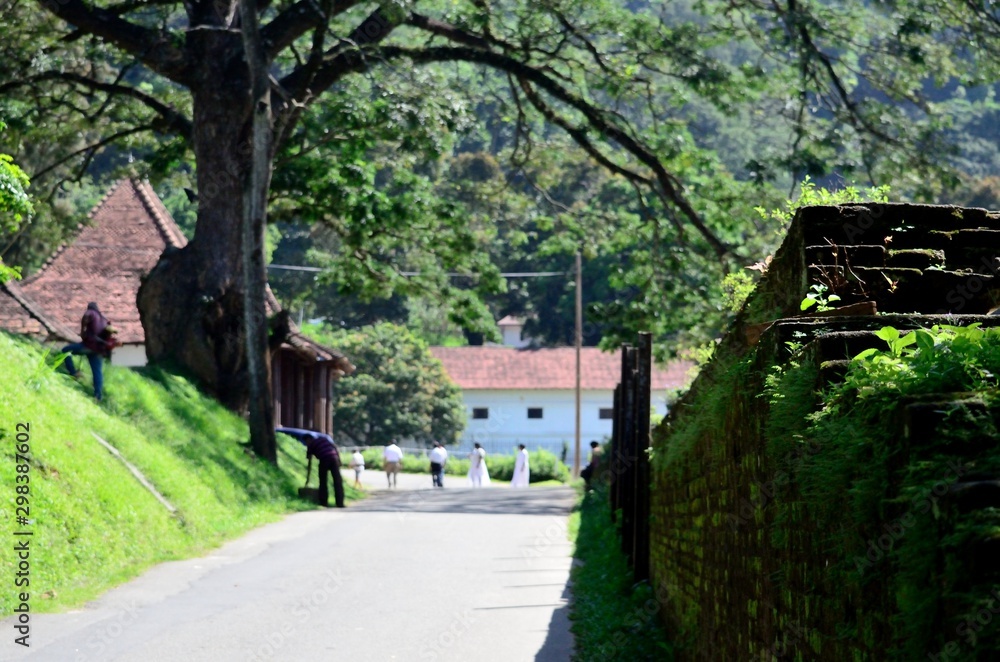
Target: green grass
(613, 617)
(94, 525)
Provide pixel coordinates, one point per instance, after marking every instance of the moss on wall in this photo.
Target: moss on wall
(803, 511)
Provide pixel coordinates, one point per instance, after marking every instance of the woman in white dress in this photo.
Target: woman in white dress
(479, 475)
(522, 473)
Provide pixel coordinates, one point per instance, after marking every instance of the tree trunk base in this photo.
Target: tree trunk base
(196, 325)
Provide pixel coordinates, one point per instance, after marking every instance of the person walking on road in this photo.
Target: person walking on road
(522, 474)
(438, 458)
(479, 475)
(392, 456)
(358, 464)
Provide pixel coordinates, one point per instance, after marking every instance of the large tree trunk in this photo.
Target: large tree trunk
(192, 304)
(256, 185)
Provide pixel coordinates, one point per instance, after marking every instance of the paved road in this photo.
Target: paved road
(414, 574)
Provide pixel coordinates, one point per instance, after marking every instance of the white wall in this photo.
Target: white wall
(129, 356)
(508, 423)
(512, 336)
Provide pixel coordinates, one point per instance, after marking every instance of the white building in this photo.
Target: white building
(528, 396)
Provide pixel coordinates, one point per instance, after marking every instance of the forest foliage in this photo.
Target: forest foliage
(399, 391)
(437, 167)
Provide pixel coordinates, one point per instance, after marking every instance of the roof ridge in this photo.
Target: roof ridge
(164, 222)
(72, 240)
(21, 297)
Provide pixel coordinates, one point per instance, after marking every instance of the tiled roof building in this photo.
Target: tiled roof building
(528, 396)
(500, 367)
(126, 233)
(105, 262)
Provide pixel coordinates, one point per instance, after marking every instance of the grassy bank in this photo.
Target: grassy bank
(93, 524)
(613, 617)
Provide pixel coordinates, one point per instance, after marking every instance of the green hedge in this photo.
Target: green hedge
(543, 464)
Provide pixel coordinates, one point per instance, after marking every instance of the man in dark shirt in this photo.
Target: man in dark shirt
(321, 447)
(93, 346)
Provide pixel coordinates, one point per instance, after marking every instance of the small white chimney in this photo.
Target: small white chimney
(511, 329)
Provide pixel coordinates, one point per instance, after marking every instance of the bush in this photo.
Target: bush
(543, 464)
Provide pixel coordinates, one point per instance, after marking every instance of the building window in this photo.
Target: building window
(480, 412)
(534, 412)
(606, 413)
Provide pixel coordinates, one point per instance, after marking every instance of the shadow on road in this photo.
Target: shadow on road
(556, 501)
(559, 642)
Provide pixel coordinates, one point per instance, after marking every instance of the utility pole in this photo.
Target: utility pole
(579, 343)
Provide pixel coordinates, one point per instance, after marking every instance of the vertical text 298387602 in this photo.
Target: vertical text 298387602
(22, 534)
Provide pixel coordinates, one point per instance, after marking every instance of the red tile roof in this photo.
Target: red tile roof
(18, 313)
(488, 367)
(127, 232)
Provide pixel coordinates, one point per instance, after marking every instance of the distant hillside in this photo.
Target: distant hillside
(93, 524)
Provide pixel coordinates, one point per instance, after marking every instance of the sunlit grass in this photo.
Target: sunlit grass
(93, 524)
(614, 618)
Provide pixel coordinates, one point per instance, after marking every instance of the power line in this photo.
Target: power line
(511, 274)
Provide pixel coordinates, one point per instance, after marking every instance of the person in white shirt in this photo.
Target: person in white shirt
(479, 475)
(393, 458)
(438, 457)
(358, 464)
(522, 473)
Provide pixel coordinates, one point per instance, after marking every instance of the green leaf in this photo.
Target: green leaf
(807, 303)
(888, 334)
(924, 339)
(865, 354)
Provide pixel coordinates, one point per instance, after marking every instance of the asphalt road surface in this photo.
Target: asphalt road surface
(414, 574)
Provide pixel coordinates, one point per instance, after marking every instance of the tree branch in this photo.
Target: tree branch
(579, 134)
(596, 118)
(173, 121)
(151, 47)
(450, 32)
(346, 57)
(91, 149)
(297, 20)
(351, 57)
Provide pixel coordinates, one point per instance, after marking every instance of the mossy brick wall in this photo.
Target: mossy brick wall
(745, 567)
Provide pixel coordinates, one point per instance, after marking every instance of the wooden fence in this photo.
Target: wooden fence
(629, 472)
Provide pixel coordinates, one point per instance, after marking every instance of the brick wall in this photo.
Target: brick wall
(742, 565)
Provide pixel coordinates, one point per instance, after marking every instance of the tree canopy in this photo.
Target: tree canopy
(15, 205)
(642, 133)
(398, 392)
